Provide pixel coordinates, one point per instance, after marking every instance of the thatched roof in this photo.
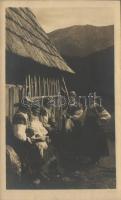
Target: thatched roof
(26, 38)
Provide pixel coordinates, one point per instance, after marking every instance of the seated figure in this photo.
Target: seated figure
(39, 136)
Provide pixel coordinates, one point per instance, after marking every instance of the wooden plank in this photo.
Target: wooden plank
(34, 80)
(26, 84)
(32, 91)
(12, 97)
(29, 84)
(43, 86)
(16, 97)
(21, 93)
(17, 94)
(59, 85)
(35, 85)
(11, 103)
(54, 87)
(7, 100)
(13, 100)
(47, 83)
(65, 87)
(39, 86)
(50, 86)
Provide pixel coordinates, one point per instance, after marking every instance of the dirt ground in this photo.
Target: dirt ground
(98, 176)
(86, 176)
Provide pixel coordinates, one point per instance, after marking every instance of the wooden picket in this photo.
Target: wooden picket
(34, 86)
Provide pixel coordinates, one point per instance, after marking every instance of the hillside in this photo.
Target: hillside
(82, 40)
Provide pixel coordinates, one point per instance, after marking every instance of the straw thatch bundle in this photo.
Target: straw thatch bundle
(26, 38)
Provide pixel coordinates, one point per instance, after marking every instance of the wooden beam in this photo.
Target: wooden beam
(29, 84)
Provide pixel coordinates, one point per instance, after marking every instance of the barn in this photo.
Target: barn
(33, 65)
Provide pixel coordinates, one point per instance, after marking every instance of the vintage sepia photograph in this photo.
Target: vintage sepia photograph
(60, 97)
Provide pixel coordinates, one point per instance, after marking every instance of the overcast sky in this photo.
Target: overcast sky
(54, 18)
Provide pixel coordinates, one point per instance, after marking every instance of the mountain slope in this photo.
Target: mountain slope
(82, 40)
(89, 51)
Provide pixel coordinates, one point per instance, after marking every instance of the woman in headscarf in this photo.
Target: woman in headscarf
(39, 137)
(41, 140)
(94, 140)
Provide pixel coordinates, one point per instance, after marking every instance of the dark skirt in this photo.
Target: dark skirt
(93, 141)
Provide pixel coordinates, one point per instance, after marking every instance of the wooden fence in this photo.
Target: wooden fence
(13, 96)
(36, 85)
(14, 93)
